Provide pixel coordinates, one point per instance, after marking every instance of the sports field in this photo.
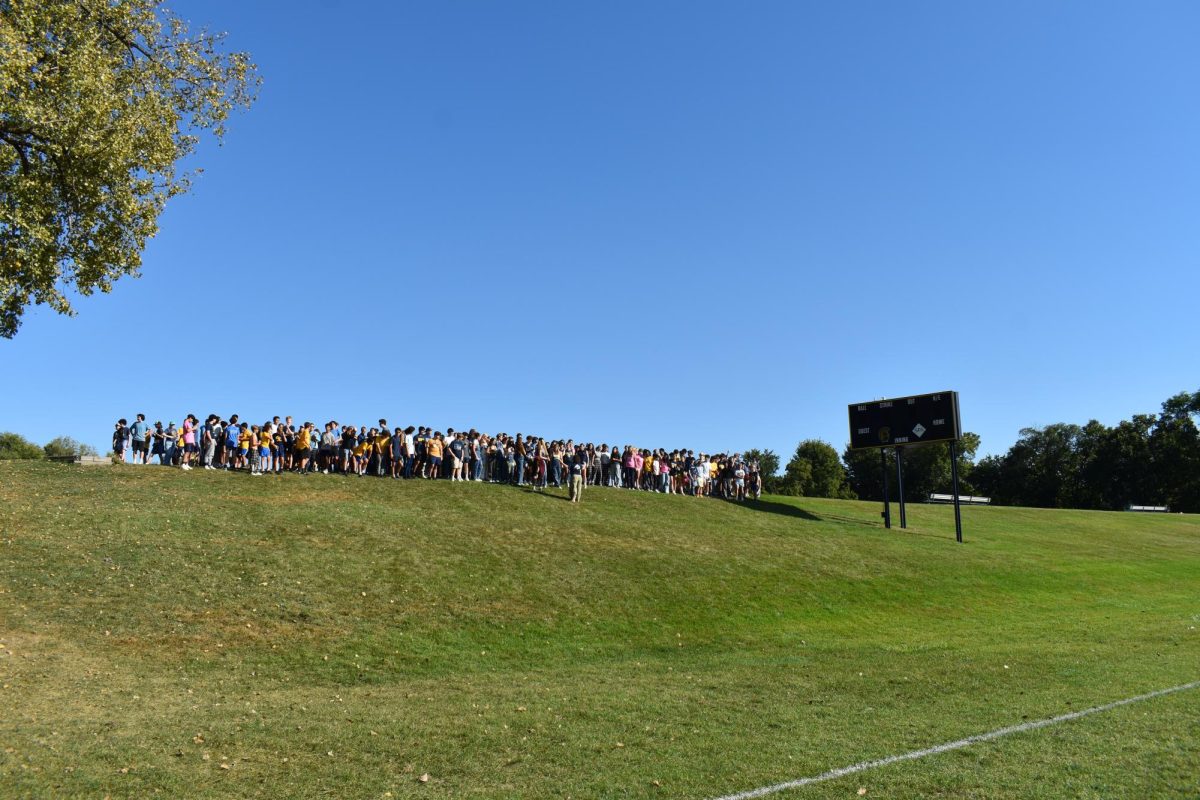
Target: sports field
(207, 635)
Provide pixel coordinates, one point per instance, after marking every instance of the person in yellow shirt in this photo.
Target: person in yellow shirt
(258, 445)
(244, 442)
(362, 453)
(303, 437)
(434, 446)
(383, 449)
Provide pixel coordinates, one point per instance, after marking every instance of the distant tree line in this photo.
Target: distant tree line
(15, 446)
(1151, 459)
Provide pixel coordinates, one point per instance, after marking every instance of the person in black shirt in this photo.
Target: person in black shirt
(578, 473)
(120, 437)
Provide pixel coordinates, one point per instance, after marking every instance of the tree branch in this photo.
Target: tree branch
(20, 147)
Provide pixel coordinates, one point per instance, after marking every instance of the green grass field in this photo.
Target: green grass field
(208, 635)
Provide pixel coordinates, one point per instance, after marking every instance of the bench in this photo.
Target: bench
(1155, 509)
(87, 461)
(962, 499)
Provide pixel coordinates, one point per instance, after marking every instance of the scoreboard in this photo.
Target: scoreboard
(905, 421)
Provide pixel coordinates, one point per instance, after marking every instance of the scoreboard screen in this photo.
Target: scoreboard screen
(905, 421)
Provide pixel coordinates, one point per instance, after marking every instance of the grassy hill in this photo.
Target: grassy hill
(208, 635)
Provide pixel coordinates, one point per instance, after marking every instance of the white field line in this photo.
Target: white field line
(862, 766)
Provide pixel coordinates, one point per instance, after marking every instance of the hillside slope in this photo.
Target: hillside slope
(209, 635)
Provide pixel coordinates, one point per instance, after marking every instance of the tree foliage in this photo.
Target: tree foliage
(926, 469)
(99, 102)
(16, 446)
(63, 446)
(815, 471)
(1149, 459)
(768, 465)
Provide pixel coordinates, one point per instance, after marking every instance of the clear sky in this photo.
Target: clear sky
(709, 225)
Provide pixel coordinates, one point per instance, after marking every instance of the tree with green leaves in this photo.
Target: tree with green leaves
(65, 446)
(815, 471)
(768, 467)
(99, 103)
(1175, 445)
(1149, 459)
(16, 446)
(926, 469)
(768, 460)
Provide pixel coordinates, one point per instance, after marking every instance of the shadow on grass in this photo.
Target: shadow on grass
(895, 526)
(785, 509)
(541, 493)
(788, 510)
(854, 521)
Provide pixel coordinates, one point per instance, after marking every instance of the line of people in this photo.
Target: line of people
(280, 445)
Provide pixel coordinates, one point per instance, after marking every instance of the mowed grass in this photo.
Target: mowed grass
(210, 635)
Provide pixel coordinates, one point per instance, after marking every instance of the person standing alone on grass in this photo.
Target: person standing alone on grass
(578, 471)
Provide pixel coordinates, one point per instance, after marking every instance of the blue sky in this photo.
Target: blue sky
(709, 225)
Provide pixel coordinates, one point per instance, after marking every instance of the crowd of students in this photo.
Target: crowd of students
(279, 445)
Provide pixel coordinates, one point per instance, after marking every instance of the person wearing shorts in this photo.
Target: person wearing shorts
(362, 452)
(314, 448)
(397, 445)
(141, 444)
(433, 452)
(458, 450)
(157, 440)
(189, 441)
(280, 448)
(262, 443)
(304, 438)
(246, 442)
(329, 443)
(349, 442)
(120, 434)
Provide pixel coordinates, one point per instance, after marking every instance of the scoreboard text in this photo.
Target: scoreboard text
(905, 421)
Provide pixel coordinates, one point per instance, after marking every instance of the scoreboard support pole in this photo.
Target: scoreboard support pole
(954, 477)
(900, 485)
(887, 508)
